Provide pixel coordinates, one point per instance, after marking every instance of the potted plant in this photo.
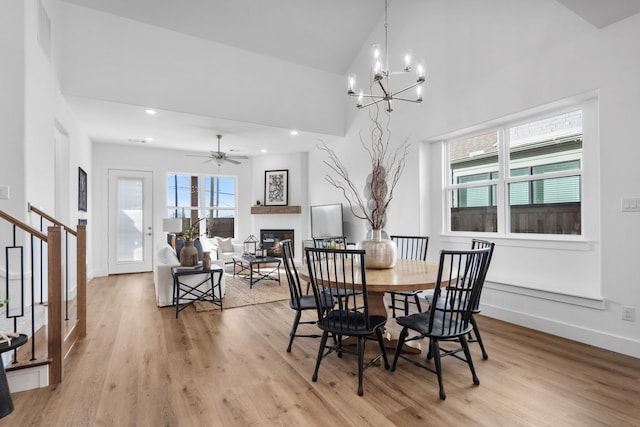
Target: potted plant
(189, 253)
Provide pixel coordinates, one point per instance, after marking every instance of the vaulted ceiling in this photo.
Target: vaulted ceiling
(322, 37)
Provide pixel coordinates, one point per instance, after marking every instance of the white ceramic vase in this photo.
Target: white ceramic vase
(379, 252)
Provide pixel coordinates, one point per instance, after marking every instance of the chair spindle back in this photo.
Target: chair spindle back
(339, 272)
(460, 280)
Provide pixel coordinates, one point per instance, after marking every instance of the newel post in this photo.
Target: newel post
(81, 274)
(54, 251)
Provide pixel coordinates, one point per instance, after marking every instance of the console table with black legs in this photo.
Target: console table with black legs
(185, 294)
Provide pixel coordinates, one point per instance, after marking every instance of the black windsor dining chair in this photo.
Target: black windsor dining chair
(336, 242)
(340, 272)
(409, 247)
(298, 301)
(459, 283)
(475, 335)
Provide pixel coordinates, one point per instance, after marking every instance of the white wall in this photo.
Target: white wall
(32, 107)
(491, 59)
(296, 165)
(12, 106)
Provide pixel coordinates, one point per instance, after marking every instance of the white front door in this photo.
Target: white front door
(130, 219)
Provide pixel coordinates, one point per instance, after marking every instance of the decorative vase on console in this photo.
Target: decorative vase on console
(206, 260)
(387, 165)
(188, 254)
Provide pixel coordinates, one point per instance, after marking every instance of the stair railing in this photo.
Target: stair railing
(81, 269)
(57, 342)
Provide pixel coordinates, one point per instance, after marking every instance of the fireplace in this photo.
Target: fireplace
(270, 240)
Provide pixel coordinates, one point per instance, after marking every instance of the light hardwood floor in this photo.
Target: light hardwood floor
(139, 366)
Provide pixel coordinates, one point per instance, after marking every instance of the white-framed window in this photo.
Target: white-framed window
(194, 197)
(525, 176)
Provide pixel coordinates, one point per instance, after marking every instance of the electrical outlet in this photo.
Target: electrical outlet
(630, 205)
(629, 314)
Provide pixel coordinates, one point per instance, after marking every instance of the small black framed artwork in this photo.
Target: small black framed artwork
(276, 188)
(82, 190)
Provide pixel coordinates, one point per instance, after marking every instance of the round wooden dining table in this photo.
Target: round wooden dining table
(407, 275)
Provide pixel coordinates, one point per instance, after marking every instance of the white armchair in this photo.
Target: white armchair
(225, 248)
(163, 280)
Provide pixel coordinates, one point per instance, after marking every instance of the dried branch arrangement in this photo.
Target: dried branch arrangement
(386, 168)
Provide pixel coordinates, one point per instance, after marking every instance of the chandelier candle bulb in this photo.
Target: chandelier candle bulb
(376, 52)
(420, 71)
(377, 71)
(351, 84)
(407, 61)
(381, 76)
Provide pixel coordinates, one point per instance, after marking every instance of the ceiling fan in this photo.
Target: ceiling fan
(219, 156)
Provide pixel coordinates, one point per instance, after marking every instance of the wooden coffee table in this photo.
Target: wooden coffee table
(248, 266)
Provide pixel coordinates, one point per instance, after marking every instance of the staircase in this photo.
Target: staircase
(44, 275)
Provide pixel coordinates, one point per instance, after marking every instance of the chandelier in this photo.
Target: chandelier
(382, 78)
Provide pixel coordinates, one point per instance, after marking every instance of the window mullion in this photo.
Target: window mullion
(503, 187)
(447, 180)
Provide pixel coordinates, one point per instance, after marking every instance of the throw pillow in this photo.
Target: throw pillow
(225, 244)
(179, 245)
(168, 256)
(198, 246)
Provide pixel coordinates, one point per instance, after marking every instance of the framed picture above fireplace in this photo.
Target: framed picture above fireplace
(276, 187)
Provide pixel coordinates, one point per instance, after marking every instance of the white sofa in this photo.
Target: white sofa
(163, 280)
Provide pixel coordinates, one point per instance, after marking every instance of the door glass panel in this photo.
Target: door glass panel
(130, 242)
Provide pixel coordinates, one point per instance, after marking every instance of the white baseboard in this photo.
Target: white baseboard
(28, 379)
(592, 337)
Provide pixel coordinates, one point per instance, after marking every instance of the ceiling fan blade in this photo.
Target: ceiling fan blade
(235, 162)
(197, 155)
(237, 157)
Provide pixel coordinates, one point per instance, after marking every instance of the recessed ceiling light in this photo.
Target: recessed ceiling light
(264, 150)
(151, 112)
(293, 132)
(149, 139)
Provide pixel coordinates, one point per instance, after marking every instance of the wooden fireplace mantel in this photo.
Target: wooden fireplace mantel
(259, 210)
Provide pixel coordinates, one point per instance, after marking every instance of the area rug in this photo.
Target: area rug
(238, 294)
